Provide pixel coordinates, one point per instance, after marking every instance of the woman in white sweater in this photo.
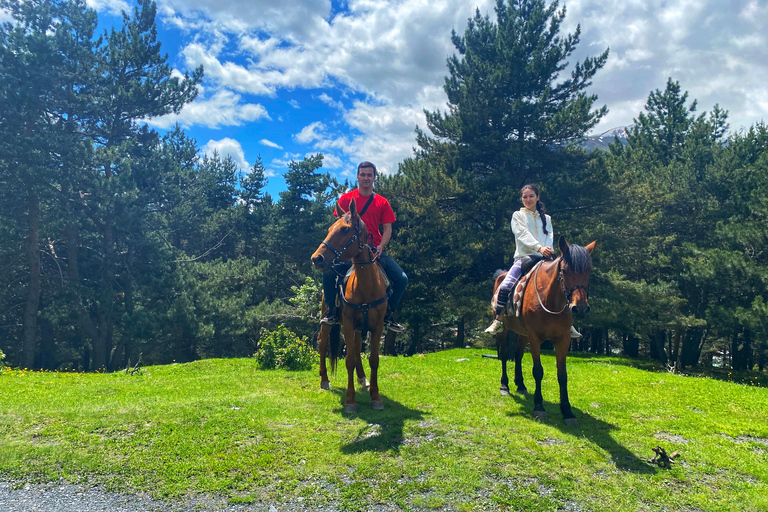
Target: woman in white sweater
(533, 234)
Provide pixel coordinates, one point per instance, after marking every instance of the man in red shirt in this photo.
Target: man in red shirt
(375, 213)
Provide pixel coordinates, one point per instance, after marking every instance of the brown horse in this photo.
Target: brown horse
(556, 289)
(364, 303)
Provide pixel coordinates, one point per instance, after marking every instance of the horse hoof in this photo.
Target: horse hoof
(350, 408)
(523, 392)
(325, 385)
(504, 391)
(363, 383)
(540, 415)
(572, 422)
(377, 405)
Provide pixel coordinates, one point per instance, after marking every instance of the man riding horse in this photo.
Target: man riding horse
(375, 211)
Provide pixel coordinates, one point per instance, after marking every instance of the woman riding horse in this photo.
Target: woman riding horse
(533, 236)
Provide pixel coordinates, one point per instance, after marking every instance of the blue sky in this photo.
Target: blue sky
(350, 78)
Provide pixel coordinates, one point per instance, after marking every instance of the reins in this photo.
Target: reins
(561, 278)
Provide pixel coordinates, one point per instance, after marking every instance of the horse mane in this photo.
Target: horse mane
(578, 259)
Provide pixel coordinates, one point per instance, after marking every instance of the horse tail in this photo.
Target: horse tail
(334, 346)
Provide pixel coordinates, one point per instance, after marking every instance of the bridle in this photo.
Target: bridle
(561, 277)
(360, 247)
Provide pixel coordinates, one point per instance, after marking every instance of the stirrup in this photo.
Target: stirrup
(574, 333)
(329, 319)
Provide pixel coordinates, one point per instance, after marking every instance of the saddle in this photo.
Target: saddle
(341, 282)
(517, 293)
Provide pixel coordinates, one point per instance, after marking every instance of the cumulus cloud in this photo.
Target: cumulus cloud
(111, 6)
(224, 108)
(227, 147)
(310, 133)
(270, 144)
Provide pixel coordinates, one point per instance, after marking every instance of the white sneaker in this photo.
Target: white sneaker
(574, 333)
(495, 328)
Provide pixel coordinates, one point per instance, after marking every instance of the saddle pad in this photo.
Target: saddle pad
(381, 271)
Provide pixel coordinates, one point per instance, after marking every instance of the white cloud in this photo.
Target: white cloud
(330, 101)
(330, 161)
(270, 144)
(294, 104)
(112, 6)
(223, 109)
(310, 133)
(227, 147)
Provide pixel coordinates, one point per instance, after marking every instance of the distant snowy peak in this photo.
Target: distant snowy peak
(601, 141)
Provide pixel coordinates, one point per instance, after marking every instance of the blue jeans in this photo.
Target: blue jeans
(395, 274)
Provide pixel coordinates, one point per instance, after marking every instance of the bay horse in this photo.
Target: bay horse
(364, 304)
(555, 290)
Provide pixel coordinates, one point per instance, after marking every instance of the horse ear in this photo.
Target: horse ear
(563, 244)
(353, 208)
(591, 247)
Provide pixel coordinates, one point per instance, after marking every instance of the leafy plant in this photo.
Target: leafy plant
(284, 349)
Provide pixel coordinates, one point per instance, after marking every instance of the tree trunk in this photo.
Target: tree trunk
(390, 343)
(597, 341)
(658, 340)
(460, 333)
(33, 292)
(415, 337)
(631, 346)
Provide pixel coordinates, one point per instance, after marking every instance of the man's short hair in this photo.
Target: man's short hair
(364, 164)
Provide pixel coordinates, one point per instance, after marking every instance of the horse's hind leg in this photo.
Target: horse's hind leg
(561, 351)
(323, 339)
(522, 341)
(502, 351)
(351, 362)
(538, 375)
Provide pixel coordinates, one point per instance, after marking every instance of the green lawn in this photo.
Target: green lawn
(446, 440)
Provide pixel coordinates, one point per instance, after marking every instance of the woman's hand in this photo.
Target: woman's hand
(547, 252)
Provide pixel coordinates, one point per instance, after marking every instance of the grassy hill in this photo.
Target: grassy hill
(446, 440)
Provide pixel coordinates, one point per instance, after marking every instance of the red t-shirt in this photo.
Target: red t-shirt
(379, 212)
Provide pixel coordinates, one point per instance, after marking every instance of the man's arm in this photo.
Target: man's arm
(386, 234)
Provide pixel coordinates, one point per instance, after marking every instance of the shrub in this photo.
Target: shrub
(284, 349)
(2, 357)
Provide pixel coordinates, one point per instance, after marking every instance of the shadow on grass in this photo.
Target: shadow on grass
(384, 429)
(595, 430)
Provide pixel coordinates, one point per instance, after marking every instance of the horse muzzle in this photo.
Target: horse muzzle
(580, 308)
(319, 261)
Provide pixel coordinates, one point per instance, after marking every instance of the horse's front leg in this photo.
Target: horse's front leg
(502, 351)
(522, 341)
(561, 351)
(538, 375)
(323, 339)
(361, 380)
(351, 362)
(373, 360)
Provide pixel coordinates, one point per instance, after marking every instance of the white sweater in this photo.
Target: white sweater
(529, 235)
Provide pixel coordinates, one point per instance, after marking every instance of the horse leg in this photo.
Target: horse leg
(362, 382)
(323, 339)
(375, 344)
(522, 341)
(538, 374)
(351, 362)
(502, 351)
(561, 351)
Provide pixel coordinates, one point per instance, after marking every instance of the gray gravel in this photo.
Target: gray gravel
(64, 497)
(24, 497)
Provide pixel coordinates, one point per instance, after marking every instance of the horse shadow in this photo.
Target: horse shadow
(383, 430)
(591, 428)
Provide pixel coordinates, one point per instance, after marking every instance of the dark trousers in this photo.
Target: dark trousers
(395, 274)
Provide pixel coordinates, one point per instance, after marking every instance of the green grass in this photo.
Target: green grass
(446, 441)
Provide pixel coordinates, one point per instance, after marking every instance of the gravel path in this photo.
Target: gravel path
(25, 497)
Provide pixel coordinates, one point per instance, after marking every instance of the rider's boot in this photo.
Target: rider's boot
(497, 327)
(391, 323)
(331, 317)
(574, 333)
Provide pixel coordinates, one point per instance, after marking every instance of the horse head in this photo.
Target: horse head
(574, 274)
(345, 240)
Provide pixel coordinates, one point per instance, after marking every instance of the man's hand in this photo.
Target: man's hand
(547, 252)
(380, 249)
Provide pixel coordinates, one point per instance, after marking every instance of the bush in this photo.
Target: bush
(284, 349)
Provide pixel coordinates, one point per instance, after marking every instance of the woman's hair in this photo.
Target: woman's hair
(539, 206)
